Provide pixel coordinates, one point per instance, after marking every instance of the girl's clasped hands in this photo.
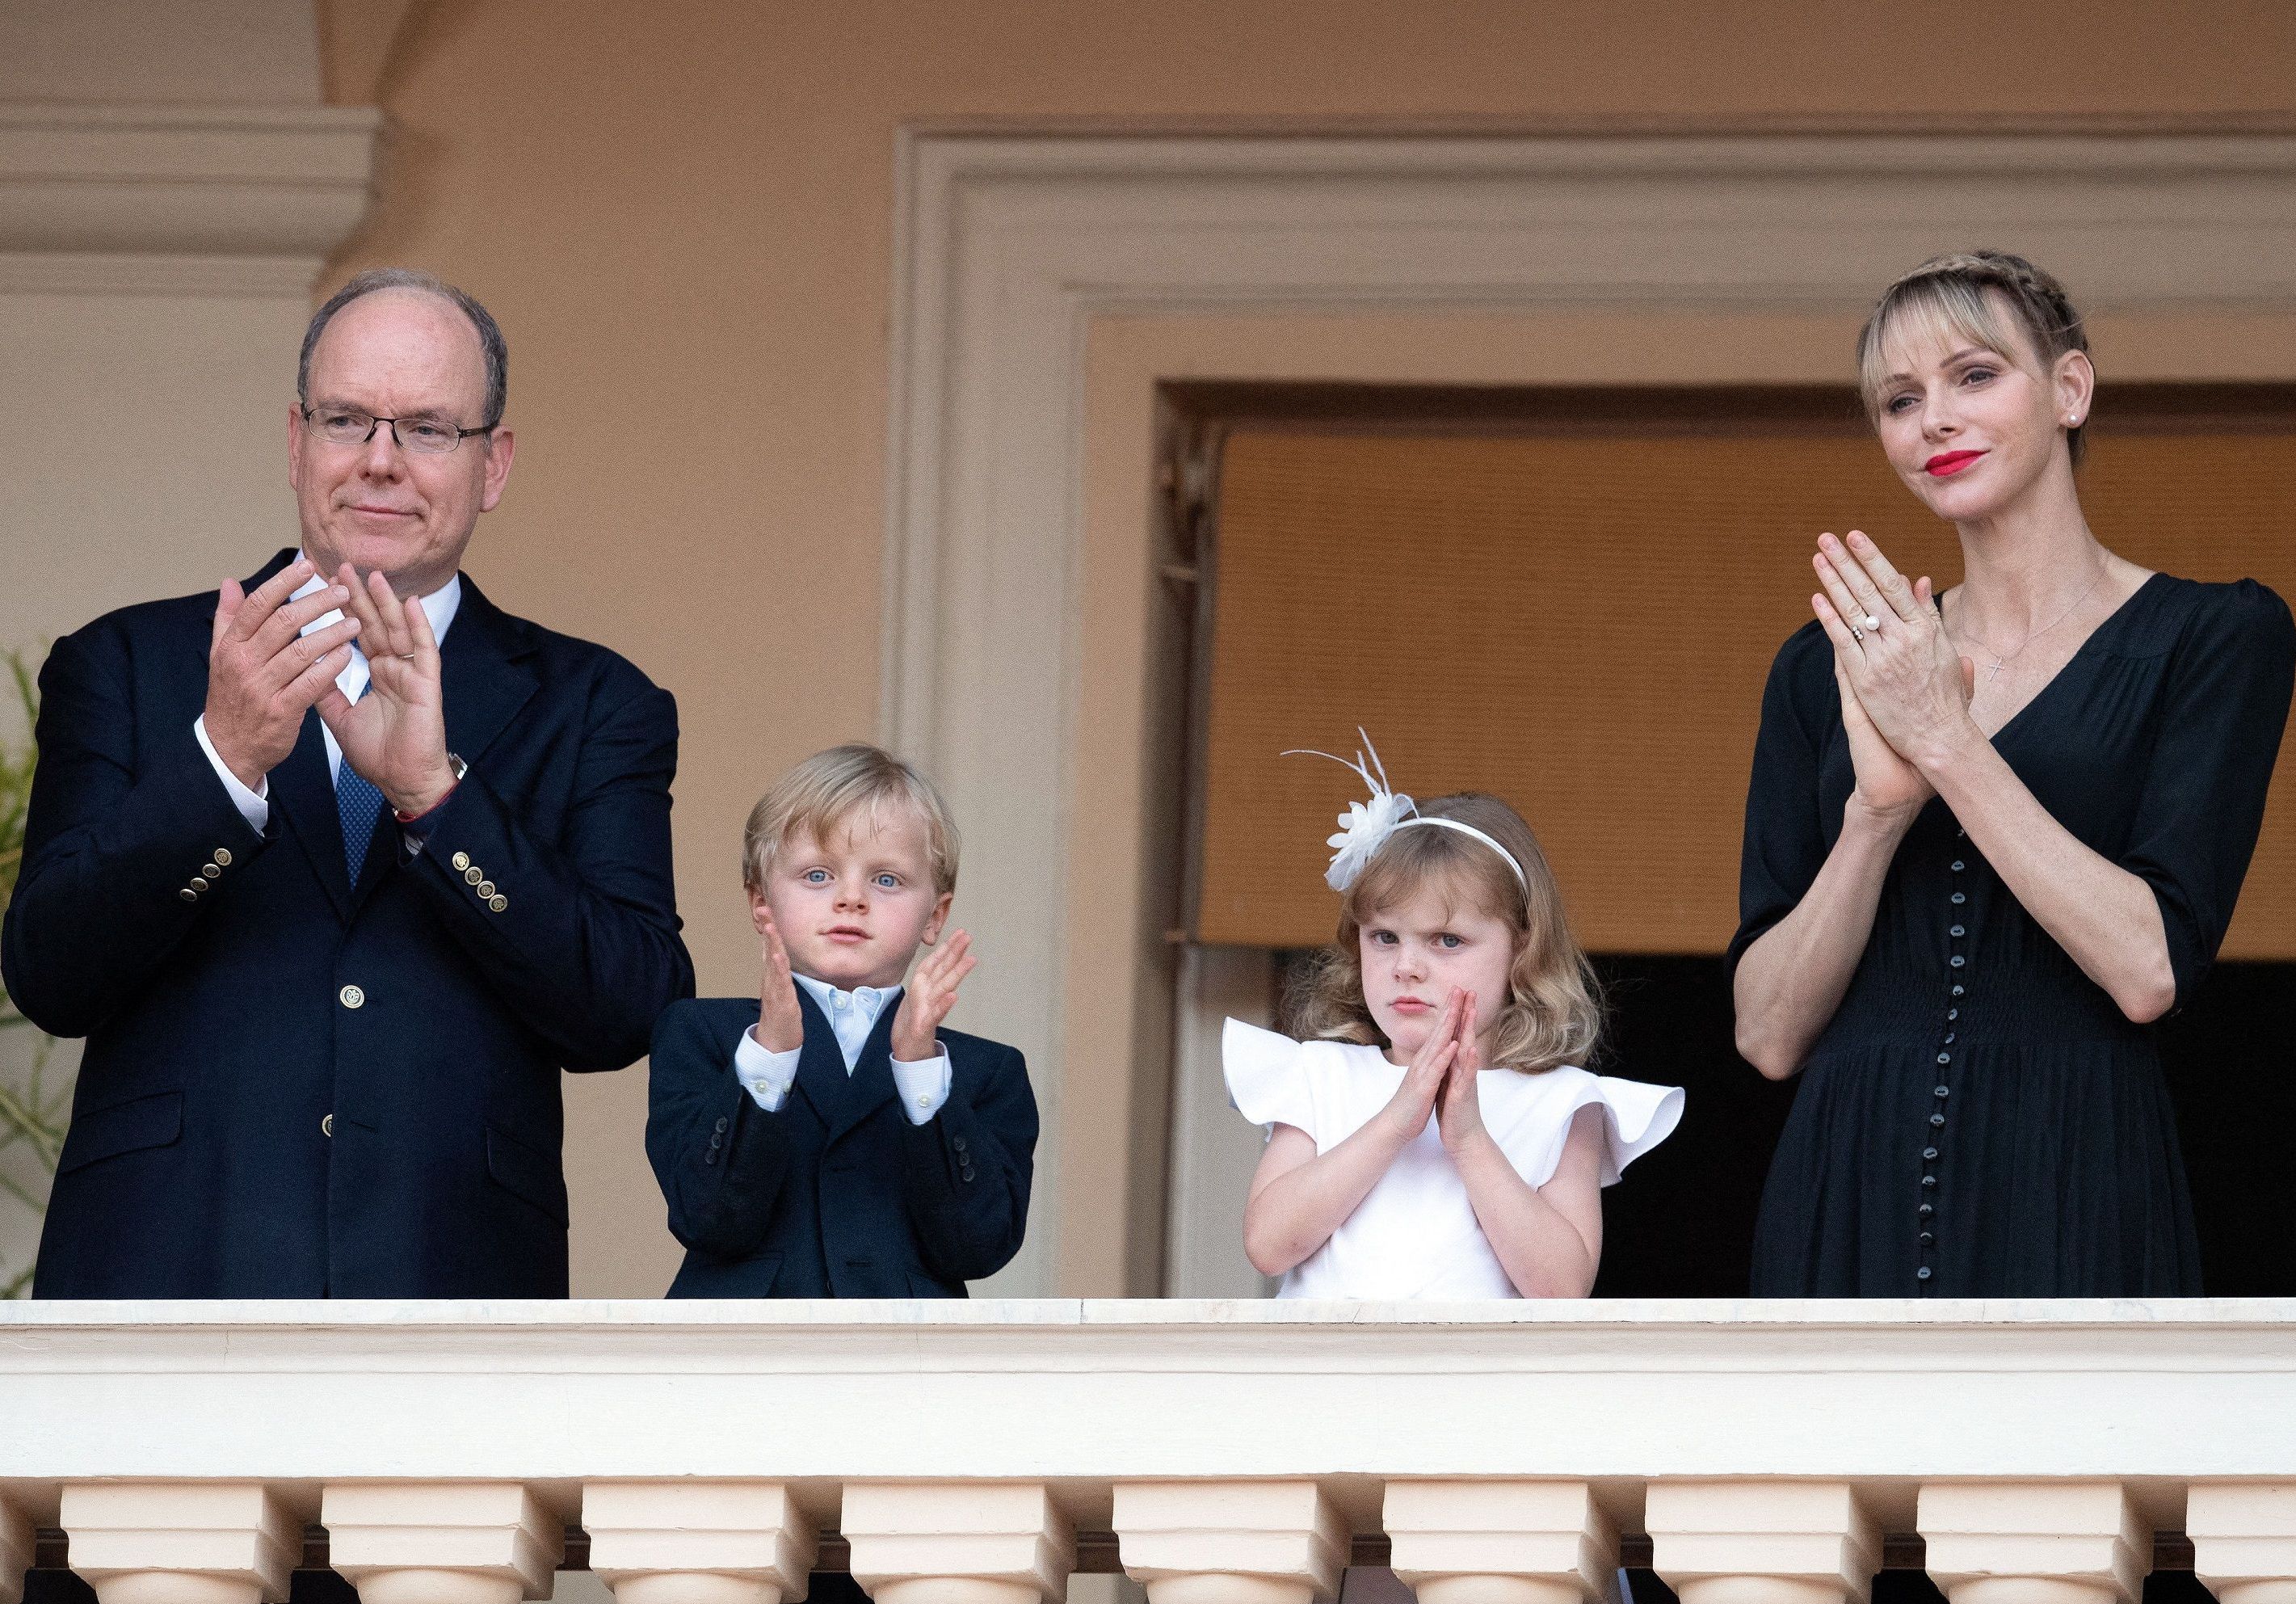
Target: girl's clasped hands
(1440, 1079)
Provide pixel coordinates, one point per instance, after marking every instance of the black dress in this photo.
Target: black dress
(1978, 1119)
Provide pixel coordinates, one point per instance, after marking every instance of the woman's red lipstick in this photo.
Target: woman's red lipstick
(1947, 463)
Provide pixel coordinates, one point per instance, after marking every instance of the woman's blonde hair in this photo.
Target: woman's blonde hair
(1952, 297)
(827, 794)
(1553, 1013)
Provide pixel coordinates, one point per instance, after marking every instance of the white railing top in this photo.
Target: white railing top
(1049, 1313)
(1087, 1392)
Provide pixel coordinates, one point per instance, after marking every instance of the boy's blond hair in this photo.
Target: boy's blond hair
(830, 792)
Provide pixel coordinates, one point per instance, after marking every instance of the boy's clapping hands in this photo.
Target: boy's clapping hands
(780, 1021)
(930, 994)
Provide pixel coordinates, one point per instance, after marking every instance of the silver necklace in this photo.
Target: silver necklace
(2002, 661)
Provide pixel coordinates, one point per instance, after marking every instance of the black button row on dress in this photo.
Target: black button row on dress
(1956, 932)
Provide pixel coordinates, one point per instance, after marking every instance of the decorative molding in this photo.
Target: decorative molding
(118, 200)
(66, 273)
(1007, 246)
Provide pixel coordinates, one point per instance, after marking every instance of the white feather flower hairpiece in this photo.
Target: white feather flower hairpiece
(1366, 825)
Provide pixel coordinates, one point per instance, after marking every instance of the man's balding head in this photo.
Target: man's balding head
(401, 501)
(493, 352)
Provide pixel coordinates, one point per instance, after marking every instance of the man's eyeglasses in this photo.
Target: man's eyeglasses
(433, 436)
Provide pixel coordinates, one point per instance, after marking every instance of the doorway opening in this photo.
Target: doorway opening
(1570, 597)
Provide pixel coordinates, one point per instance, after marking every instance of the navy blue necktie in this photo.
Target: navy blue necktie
(358, 804)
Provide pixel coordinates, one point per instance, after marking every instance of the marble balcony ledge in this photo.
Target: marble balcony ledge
(1098, 1390)
(1228, 1452)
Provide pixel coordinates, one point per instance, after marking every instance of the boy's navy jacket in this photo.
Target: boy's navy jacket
(836, 1194)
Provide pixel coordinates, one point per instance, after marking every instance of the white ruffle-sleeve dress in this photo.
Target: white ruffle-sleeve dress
(1414, 1234)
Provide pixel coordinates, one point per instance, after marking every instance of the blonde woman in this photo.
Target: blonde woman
(1992, 835)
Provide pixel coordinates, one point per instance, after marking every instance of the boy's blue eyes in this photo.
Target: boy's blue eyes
(884, 882)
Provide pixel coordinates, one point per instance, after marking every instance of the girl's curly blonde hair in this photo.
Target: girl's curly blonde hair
(1555, 1011)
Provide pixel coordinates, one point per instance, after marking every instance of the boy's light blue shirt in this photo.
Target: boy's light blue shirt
(852, 1015)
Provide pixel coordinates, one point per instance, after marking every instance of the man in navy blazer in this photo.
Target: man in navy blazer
(827, 1138)
(337, 869)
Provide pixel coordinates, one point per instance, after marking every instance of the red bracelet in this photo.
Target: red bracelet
(433, 808)
(459, 769)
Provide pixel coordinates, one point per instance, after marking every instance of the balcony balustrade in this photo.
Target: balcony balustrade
(1218, 1452)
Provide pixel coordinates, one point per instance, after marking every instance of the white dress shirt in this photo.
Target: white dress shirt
(255, 806)
(852, 1016)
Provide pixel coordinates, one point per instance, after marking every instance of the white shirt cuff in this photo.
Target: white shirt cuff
(252, 805)
(923, 1087)
(766, 1075)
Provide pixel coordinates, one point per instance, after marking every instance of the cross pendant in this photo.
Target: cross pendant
(1994, 672)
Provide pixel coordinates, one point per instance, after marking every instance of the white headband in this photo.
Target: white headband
(1365, 826)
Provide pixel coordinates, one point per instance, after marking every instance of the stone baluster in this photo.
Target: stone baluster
(442, 1542)
(2244, 1540)
(181, 1542)
(698, 1542)
(1231, 1543)
(1756, 1540)
(2034, 1542)
(15, 1551)
(1501, 1542)
(957, 1543)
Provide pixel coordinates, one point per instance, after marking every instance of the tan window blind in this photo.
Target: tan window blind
(1582, 624)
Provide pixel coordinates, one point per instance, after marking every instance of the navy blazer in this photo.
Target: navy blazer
(836, 1194)
(297, 1087)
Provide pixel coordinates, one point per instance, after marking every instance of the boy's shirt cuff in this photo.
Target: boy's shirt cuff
(767, 1076)
(924, 1086)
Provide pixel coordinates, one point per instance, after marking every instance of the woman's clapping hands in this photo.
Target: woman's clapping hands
(1904, 690)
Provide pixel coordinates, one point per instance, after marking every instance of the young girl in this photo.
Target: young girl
(1433, 1139)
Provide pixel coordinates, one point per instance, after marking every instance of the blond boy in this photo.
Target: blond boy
(830, 1138)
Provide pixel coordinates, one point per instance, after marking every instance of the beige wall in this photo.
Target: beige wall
(162, 168)
(184, 52)
(682, 215)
